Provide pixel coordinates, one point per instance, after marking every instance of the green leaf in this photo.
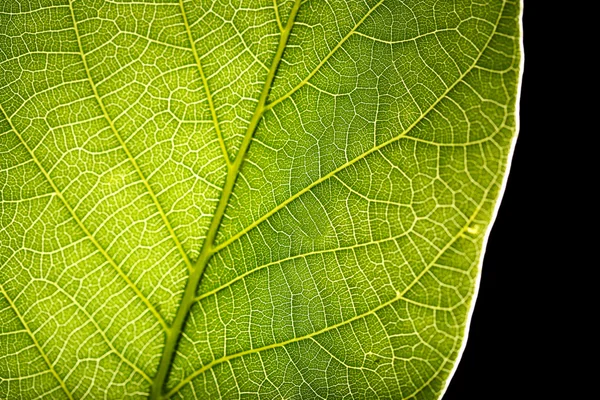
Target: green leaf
(249, 198)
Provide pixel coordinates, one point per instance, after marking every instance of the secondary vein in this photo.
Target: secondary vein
(61, 382)
(208, 248)
(211, 103)
(79, 222)
(326, 58)
(358, 158)
(130, 157)
(401, 295)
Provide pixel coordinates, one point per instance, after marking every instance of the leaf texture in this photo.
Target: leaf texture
(248, 198)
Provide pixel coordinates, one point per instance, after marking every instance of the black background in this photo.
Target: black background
(500, 358)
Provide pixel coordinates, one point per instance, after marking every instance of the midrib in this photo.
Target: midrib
(208, 248)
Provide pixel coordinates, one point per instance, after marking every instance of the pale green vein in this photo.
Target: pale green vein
(277, 17)
(207, 251)
(435, 308)
(158, 42)
(325, 59)
(361, 156)
(431, 273)
(102, 333)
(400, 296)
(279, 344)
(412, 39)
(130, 156)
(37, 344)
(82, 226)
(297, 257)
(211, 104)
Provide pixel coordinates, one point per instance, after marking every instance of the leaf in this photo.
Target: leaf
(274, 199)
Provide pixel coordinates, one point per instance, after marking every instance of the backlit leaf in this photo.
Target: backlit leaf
(247, 199)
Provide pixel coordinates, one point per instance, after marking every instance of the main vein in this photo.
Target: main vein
(208, 248)
(401, 295)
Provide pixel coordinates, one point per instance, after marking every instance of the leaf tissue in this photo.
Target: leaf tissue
(247, 198)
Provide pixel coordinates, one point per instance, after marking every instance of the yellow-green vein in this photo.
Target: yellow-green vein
(379, 147)
(400, 296)
(209, 98)
(299, 256)
(130, 156)
(37, 344)
(207, 251)
(82, 226)
(324, 60)
(277, 17)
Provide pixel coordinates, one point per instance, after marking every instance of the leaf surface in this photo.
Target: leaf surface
(263, 199)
